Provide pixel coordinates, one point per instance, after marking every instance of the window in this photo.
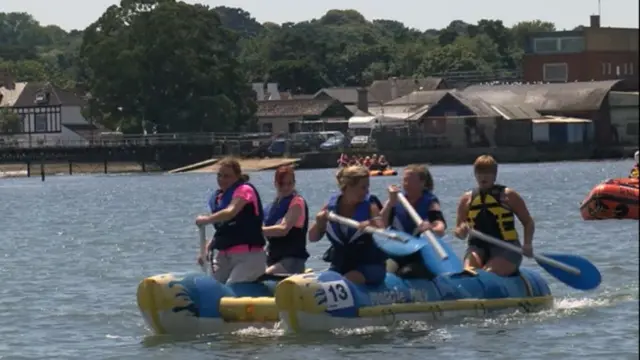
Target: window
(625, 69)
(40, 123)
(608, 68)
(558, 72)
(267, 127)
(572, 44)
(545, 45)
(604, 69)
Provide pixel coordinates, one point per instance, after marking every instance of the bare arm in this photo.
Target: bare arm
(282, 229)
(463, 209)
(518, 206)
(229, 212)
(385, 214)
(319, 227)
(438, 226)
(375, 221)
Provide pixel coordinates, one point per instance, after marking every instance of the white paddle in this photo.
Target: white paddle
(369, 229)
(203, 248)
(417, 219)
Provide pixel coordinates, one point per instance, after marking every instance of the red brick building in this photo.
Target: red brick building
(592, 53)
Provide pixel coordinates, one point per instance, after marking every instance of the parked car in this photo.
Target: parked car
(333, 143)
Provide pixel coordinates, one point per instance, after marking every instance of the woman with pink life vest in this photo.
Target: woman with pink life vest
(237, 215)
(285, 226)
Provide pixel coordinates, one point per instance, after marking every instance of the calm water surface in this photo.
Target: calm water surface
(75, 247)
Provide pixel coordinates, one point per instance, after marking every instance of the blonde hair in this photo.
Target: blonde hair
(351, 176)
(485, 164)
(423, 174)
(234, 165)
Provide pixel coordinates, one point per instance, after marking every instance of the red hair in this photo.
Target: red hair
(282, 172)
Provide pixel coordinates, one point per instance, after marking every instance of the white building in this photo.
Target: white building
(50, 116)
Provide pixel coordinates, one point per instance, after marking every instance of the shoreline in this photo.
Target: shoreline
(16, 170)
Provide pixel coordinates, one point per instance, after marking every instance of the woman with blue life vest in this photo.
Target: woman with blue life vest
(492, 209)
(417, 186)
(354, 254)
(285, 226)
(237, 216)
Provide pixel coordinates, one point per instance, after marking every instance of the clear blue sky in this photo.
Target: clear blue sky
(421, 14)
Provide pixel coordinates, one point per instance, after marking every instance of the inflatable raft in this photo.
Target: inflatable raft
(388, 172)
(197, 304)
(612, 199)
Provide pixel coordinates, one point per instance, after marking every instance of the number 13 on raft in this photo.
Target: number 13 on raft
(338, 294)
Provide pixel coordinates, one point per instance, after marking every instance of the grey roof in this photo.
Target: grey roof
(420, 98)
(346, 95)
(24, 95)
(381, 89)
(286, 108)
(576, 96)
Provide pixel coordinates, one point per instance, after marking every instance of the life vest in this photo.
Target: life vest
(294, 244)
(350, 247)
(245, 228)
(400, 219)
(488, 215)
(635, 172)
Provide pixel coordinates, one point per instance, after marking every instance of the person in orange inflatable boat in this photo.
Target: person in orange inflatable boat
(635, 171)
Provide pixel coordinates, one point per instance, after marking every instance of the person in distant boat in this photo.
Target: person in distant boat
(354, 254)
(343, 160)
(375, 166)
(382, 161)
(417, 186)
(635, 171)
(237, 216)
(367, 162)
(491, 209)
(285, 226)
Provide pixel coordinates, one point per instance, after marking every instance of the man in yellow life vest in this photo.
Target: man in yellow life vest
(635, 171)
(491, 209)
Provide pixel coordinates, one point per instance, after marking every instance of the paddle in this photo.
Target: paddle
(449, 263)
(394, 243)
(417, 219)
(575, 271)
(203, 248)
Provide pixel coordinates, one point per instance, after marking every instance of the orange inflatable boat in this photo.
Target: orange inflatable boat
(387, 172)
(612, 199)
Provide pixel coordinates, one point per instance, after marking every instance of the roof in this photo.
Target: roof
(346, 95)
(420, 98)
(381, 89)
(576, 96)
(296, 107)
(24, 95)
(355, 111)
(560, 120)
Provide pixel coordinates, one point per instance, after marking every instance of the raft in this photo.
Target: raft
(388, 172)
(197, 304)
(612, 199)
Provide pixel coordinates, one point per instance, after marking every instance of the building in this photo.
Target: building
(50, 115)
(357, 100)
(625, 116)
(591, 53)
(290, 116)
(393, 88)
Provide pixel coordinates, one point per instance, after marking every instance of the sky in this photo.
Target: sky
(421, 14)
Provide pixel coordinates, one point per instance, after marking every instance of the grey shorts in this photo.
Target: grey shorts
(288, 265)
(237, 268)
(489, 252)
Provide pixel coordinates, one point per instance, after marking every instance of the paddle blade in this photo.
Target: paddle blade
(588, 279)
(408, 245)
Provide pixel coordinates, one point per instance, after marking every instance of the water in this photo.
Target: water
(75, 247)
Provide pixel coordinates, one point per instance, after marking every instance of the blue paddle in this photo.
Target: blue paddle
(575, 271)
(394, 243)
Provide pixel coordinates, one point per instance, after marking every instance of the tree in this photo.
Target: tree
(10, 122)
(167, 64)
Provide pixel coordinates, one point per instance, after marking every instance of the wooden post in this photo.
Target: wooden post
(42, 168)
(70, 167)
(105, 166)
(28, 168)
(144, 167)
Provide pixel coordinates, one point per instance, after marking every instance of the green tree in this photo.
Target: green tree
(10, 122)
(167, 64)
